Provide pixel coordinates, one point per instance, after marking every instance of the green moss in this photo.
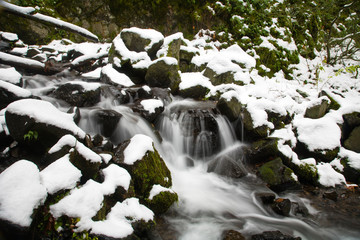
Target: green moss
(307, 173)
(162, 202)
(149, 171)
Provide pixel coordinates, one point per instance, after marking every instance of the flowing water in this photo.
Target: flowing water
(194, 134)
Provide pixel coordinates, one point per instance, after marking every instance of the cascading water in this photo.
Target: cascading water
(194, 136)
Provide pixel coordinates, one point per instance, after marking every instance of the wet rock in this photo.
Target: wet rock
(263, 150)
(226, 166)
(266, 198)
(281, 206)
(299, 209)
(197, 92)
(149, 109)
(164, 73)
(332, 195)
(307, 173)
(76, 112)
(10, 93)
(174, 46)
(32, 52)
(232, 235)
(162, 201)
(230, 108)
(273, 235)
(352, 142)
(145, 92)
(107, 120)
(77, 95)
(278, 177)
(318, 108)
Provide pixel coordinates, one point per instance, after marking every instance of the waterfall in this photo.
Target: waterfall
(190, 136)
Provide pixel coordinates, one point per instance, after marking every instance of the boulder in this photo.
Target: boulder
(146, 167)
(232, 235)
(228, 164)
(149, 109)
(263, 150)
(196, 92)
(272, 235)
(318, 108)
(107, 120)
(186, 55)
(250, 132)
(164, 73)
(174, 46)
(352, 142)
(217, 78)
(161, 199)
(278, 177)
(79, 94)
(281, 206)
(39, 121)
(10, 93)
(230, 108)
(266, 198)
(140, 40)
(334, 105)
(351, 174)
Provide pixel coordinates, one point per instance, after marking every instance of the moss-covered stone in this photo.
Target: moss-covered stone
(231, 109)
(278, 176)
(217, 79)
(307, 173)
(352, 142)
(263, 150)
(252, 133)
(318, 110)
(89, 169)
(160, 203)
(197, 92)
(351, 174)
(163, 75)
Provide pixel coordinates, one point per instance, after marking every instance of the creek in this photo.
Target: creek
(189, 135)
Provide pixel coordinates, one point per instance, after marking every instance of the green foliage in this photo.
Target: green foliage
(31, 135)
(83, 236)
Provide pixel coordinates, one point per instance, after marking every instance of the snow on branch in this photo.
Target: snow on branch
(30, 12)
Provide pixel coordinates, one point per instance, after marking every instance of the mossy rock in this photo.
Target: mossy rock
(252, 133)
(351, 174)
(278, 177)
(150, 170)
(76, 95)
(333, 103)
(89, 170)
(217, 79)
(231, 109)
(197, 92)
(352, 142)
(160, 203)
(263, 150)
(163, 75)
(307, 173)
(319, 110)
(174, 49)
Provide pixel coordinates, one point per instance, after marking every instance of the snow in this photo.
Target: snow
(71, 141)
(14, 8)
(318, 134)
(139, 145)
(16, 90)
(328, 177)
(221, 64)
(118, 222)
(20, 179)
(87, 86)
(25, 61)
(45, 112)
(236, 54)
(352, 157)
(67, 25)
(60, 175)
(115, 176)
(106, 157)
(116, 77)
(93, 74)
(151, 105)
(137, 59)
(151, 34)
(157, 189)
(189, 80)
(7, 36)
(166, 60)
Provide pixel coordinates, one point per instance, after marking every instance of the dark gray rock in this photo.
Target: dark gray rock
(318, 110)
(273, 235)
(231, 109)
(277, 176)
(281, 206)
(353, 141)
(107, 120)
(164, 74)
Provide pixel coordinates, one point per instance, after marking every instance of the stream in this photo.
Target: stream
(208, 203)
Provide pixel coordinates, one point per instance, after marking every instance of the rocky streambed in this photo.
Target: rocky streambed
(154, 137)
